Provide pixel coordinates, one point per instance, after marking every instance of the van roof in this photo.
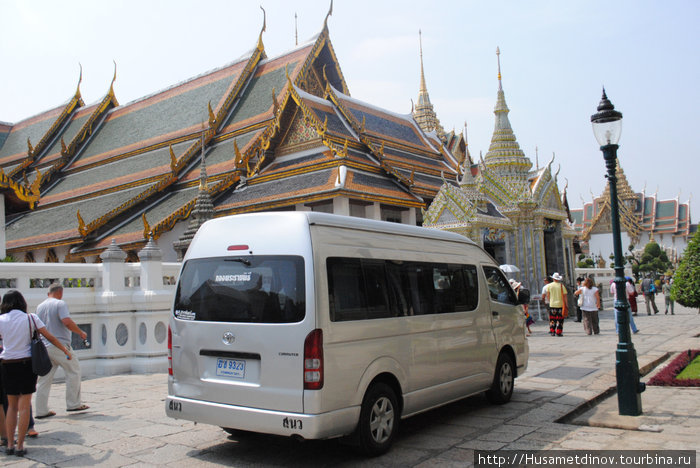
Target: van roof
(364, 224)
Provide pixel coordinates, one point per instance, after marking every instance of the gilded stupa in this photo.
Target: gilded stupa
(424, 113)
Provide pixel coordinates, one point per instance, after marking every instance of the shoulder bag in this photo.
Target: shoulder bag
(41, 364)
(565, 305)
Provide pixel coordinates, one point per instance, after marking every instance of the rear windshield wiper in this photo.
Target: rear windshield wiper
(242, 260)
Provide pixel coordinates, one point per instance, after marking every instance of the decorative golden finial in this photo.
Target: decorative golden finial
(537, 158)
(362, 126)
(81, 225)
(275, 104)
(412, 106)
(30, 148)
(146, 226)
(34, 188)
(114, 78)
(237, 152)
(498, 58)
(261, 47)
(80, 80)
(296, 35)
(173, 160)
(330, 12)
(64, 148)
(212, 116)
(324, 129)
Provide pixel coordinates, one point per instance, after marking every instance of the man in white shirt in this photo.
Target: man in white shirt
(54, 313)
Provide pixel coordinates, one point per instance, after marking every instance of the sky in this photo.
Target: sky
(555, 58)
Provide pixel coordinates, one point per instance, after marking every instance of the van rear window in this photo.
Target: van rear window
(361, 289)
(251, 289)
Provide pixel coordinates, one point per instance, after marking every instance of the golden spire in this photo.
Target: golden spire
(423, 113)
(423, 88)
(498, 57)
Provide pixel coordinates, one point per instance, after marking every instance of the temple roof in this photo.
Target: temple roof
(272, 132)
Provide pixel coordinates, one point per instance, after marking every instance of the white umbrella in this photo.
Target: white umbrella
(509, 269)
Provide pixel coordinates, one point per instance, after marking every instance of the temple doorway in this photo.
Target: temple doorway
(554, 260)
(497, 250)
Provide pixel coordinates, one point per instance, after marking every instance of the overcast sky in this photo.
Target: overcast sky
(555, 57)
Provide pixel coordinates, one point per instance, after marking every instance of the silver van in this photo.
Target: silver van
(317, 326)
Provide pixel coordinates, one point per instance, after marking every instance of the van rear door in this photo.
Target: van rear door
(238, 331)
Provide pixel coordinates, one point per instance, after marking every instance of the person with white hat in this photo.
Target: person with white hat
(556, 296)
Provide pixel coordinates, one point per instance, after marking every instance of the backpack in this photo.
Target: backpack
(524, 295)
(652, 288)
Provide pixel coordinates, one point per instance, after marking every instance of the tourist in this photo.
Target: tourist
(18, 379)
(54, 312)
(517, 287)
(631, 295)
(649, 291)
(579, 285)
(666, 290)
(556, 297)
(590, 306)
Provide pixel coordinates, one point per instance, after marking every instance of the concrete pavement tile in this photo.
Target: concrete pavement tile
(507, 433)
(165, 454)
(475, 421)
(528, 444)
(154, 430)
(476, 444)
(577, 444)
(423, 440)
(451, 430)
(202, 438)
(101, 459)
(127, 445)
(55, 454)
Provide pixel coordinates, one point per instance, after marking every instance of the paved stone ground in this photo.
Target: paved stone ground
(126, 424)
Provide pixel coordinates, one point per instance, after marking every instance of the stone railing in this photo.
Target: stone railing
(123, 307)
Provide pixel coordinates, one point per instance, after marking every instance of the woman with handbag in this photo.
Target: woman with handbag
(18, 378)
(589, 298)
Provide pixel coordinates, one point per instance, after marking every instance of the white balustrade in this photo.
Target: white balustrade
(123, 307)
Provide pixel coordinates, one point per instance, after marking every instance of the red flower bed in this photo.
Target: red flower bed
(667, 376)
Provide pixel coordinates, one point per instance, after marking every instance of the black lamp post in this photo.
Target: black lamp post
(607, 126)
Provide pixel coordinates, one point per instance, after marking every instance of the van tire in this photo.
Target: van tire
(379, 420)
(503, 380)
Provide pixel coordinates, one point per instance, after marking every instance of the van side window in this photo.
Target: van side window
(361, 289)
(499, 289)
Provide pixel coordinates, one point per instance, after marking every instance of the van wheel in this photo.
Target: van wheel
(503, 380)
(379, 418)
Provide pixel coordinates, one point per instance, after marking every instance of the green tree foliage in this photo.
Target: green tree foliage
(654, 260)
(686, 282)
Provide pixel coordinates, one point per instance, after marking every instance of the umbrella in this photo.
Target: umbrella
(509, 269)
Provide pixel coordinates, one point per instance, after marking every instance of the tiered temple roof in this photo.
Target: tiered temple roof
(273, 133)
(639, 213)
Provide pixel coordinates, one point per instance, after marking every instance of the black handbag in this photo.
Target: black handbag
(41, 364)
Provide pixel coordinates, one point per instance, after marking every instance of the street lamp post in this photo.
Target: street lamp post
(607, 126)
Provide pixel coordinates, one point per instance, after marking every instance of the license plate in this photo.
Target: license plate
(230, 368)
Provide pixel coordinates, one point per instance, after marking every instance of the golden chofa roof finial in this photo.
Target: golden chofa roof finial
(498, 58)
(330, 12)
(260, 46)
(296, 32)
(80, 80)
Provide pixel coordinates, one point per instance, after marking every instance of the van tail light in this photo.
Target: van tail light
(170, 351)
(313, 360)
